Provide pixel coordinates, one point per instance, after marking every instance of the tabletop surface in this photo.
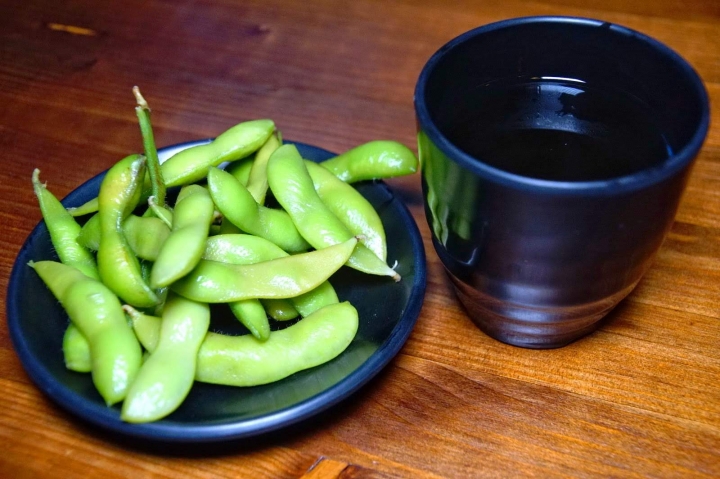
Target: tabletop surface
(639, 397)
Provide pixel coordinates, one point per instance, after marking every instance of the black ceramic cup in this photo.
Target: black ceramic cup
(554, 152)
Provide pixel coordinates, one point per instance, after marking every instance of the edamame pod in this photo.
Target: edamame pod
(240, 169)
(192, 164)
(251, 313)
(245, 361)
(293, 188)
(76, 350)
(213, 282)
(373, 161)
(352, 208)
(97, 313)
(144, 235)
(165, 379)
(239, 207)
(63, 230)
(248, 249)
(283, 309)
(182, 250)
(257, 183)
(119, 268)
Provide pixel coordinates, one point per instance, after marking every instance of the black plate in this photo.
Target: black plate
(387, 310)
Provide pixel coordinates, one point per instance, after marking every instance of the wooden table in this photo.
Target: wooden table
(640, 397)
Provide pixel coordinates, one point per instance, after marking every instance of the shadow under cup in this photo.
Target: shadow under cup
(554, 152)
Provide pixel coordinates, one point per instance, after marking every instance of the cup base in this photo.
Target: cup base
(533, 327)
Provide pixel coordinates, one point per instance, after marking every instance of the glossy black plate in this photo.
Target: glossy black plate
(387, 311)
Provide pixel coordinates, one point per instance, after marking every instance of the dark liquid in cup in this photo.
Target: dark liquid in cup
(558, 129)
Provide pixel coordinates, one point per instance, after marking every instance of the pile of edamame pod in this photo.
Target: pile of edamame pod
(254, 226)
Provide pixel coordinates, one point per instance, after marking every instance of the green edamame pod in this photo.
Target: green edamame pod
(240, 169)
(76, 350)
(97, 313)
(248, 249)
(144, 235)
(245, 361)
(213, 282)
(146, 327)
(257, 178)
(165, 379)
(162, 212)
(239, 207)
(251, 313)
(374, 160)
(192, 164)
(119, 268)
(293, 188)
(355, 212)
(184, 247)
(86, 208)
(63, 230)
(282, 309)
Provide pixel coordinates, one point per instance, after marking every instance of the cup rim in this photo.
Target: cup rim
(621, 184)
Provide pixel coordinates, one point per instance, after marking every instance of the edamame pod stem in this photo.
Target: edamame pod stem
(245, 361)
(63, 230)
(145, 235)
(119, 268)
(239, 207)
(213, 282)
(352, 208)
(165, 379)
(153, 163)
(257, 183)
(192, 164)
(373, 161)
(293, 188)
(97, 313)
(248, 249)
(184, 247)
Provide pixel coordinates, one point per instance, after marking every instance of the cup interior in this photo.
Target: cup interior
(592, 52)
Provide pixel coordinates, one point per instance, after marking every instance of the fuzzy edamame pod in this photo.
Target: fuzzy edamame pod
(213, 282)
(63, 230)
(374, 160)
(248, 249)
(182, 250)
(240, 169)
(144, 235)
(119, 268)
(257, 183)
(165, 379)
(96, 312)
(239, 207)
(251, 313)
(293, 188)
(352, 208)
(282, 309)
(76, 350)
(192, 164)
(245, 361)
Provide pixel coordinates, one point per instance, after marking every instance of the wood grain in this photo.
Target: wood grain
(638, 398)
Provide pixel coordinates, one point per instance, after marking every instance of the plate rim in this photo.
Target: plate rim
(108, 419)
